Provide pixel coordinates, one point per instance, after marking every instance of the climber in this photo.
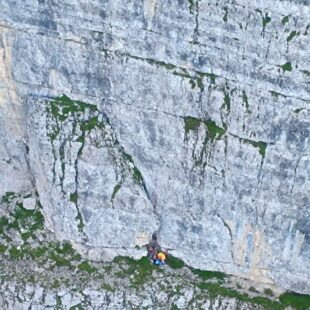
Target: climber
(153, 248)
(159, 259)
(152, 252)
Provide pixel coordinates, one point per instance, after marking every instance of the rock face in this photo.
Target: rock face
(185, 118)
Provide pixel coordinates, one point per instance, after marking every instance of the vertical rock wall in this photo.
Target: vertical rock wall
(202, 129)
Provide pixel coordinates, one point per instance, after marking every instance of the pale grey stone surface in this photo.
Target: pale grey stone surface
(29, 203)
(147, 65)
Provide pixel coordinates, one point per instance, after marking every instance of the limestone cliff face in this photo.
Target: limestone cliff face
(186, 118)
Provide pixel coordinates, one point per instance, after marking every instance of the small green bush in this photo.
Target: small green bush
(295, 300)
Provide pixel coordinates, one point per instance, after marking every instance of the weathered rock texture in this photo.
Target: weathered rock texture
(196, 127)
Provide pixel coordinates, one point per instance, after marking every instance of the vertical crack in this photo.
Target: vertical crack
(27, 159)
(295, 172)
(74, 196)
(231, 235)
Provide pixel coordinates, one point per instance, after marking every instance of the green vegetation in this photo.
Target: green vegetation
(3, 248)
(214, 131)
(207, 275)
(285, 19)
(253, 289)
(85, 266)
(298, 110)
(276, 94)
(90, 124)
(63, 106)
(38, 252)
(161, 64)
(107, 287)
(136, 172)
(7, 198)
(79, 218)
(292, 35)
(74, 197)
(215, 289)
(117, 187)
(266, 20)
(191, 6)
(77, 307)
(268, 291)
(140, 270)
(59, 260)
(260, 145)
(191, 123)
(16, 253)
(23, 220)
(226, 102)
(295, 300)
(306, 72)
(287, 67)
(174, 262)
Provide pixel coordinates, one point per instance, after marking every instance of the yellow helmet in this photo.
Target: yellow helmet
(161, 256)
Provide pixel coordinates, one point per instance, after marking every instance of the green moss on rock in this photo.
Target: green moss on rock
(287, 67)
(214, 131)
(295, 300)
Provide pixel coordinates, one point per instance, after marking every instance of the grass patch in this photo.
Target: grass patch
(214, 131)
(117, 187)
(287, 67)
(266, 20)
(85, 266)
(16, 253)
(38, 252)
(207, 275)
(295, 300)
(174, 262)
(59, 260)
(74, 197)
(141, 269)
(136, 172)
(65, 249)
(191, 123)
(90, 124)
(285, 19)
(108, 287)
(260, 145)
(268, 291)
(27, 221)
(2, 248)
(7, 197)
(191, 6)
(62, 106)
(253, 289)
(292, 35)
(214, 290)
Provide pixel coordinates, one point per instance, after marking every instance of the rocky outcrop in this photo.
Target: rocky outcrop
(185, 118)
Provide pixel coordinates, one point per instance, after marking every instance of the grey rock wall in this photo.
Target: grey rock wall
(202, 131)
